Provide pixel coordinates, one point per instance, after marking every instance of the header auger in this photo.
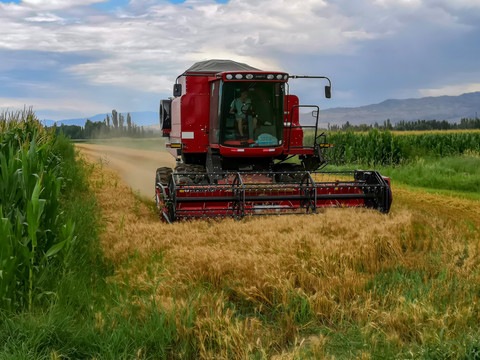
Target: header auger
(232, 129)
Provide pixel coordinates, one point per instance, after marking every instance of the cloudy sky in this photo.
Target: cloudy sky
(73, 58)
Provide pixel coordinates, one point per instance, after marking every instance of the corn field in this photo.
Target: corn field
(32, 235)
(385, 148)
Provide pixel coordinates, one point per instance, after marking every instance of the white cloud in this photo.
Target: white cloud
(245, 25)
(451, 90)
(119, 73)
(44, 17)
(140, 46)
(70, 105)
(145, 45)
(396, 3)
(43, 5)
(456, 4)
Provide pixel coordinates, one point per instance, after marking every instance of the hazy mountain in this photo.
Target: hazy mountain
(140, 118)
(48, 122)
(451, 108)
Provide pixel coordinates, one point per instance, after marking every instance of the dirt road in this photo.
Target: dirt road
(135, 167)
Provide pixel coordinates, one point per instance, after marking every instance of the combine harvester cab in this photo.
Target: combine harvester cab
(233, 130)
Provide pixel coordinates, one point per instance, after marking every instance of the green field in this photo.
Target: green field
(376, 147)
(96, 274)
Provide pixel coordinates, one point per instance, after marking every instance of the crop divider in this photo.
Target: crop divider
(238, 193)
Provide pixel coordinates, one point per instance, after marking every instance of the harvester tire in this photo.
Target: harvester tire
(192, 174)
(290, 175)
(163, 175)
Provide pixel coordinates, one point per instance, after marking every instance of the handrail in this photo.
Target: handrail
(306, 126)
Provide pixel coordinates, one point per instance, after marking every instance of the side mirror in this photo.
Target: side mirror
(328, 92)
(177, 90)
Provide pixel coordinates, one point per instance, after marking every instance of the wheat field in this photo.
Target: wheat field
(287, 287)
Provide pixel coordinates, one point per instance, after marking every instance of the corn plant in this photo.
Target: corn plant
(384, 148)
(31, 237)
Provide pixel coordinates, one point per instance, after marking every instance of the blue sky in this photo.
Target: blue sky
(74, 58)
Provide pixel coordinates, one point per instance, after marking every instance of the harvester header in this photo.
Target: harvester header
(241, 150)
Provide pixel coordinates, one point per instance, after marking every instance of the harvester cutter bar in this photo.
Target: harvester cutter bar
(264, 193)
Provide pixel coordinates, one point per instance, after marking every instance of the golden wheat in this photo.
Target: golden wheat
(326, 260)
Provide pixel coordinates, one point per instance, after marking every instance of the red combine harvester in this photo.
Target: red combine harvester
(233, 129)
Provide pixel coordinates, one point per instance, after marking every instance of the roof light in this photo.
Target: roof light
(270, 76)
(279, 77)
(229, 76)
(249, 76)
(238, 76)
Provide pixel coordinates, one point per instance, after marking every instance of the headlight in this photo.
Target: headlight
(285, 77)
(279, 77)
(229, 76)
(249, 76)
(238, 76)
(270, 76)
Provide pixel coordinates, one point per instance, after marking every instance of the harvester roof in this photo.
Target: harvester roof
(216, 66)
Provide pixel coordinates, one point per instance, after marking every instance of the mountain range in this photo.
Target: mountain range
(450, 108)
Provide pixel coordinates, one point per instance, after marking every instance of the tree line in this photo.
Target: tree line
(114, 125)
(418, 125)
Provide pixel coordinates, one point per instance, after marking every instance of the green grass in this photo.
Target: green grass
(453, 175)
(77, 335)
(412, 285)
(457, 173)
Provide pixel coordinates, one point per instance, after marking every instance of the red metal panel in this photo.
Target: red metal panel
(293, 133)
(195, 110)
(291, 101)
(188, 206)
(239, 194)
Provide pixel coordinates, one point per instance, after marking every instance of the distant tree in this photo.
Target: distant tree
(402, 125)
(88, 129)
(334, 127)
(387, 125)
(71, 131)
(108, 121)
(121, 121)
(94, 129)
(363, 127)
(346, 126)
(115, 118)
(469, 123)
(129, 123)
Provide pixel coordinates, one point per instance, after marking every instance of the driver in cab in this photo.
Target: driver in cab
(242, 107)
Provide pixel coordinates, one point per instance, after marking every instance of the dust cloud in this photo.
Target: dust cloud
(135, 167)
